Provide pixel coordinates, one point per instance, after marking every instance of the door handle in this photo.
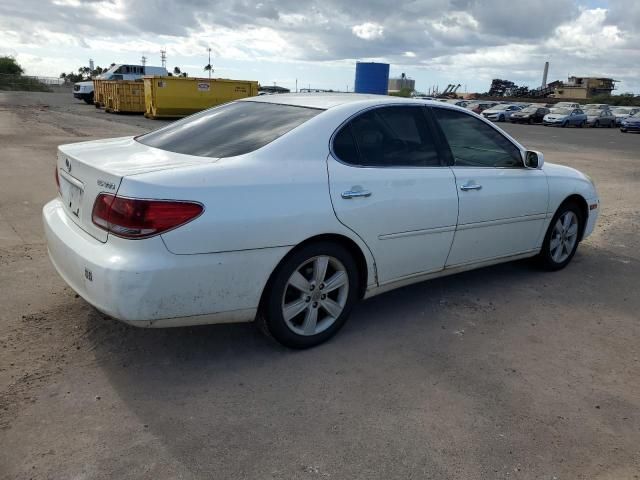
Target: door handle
(470, 186)
(355, 194)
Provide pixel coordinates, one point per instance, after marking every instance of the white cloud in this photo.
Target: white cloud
(460, 40)
(368, 31)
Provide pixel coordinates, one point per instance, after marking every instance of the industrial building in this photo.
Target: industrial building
(584, 87)
(397, 84)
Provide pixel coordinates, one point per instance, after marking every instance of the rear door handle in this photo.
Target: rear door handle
(470, 186)
(355, 194)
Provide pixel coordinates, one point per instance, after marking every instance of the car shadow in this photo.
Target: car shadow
(227, 395)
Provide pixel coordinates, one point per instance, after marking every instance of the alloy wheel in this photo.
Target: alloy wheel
(564, 236)
(315, 295)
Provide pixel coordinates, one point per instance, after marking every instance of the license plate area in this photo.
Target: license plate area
(71, 191)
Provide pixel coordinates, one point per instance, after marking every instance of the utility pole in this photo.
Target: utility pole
(296, 85)
(163, 58)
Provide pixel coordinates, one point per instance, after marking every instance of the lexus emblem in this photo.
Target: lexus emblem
(67, 164)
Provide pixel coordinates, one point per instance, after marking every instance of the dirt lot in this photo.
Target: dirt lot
(506, 372)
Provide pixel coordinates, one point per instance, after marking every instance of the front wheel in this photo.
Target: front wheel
(310, 295)
(596, 124)
(561, 241)
(564, 124)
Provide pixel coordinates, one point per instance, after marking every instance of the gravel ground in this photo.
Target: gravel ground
(505, 372)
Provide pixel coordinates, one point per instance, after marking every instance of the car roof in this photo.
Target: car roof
(326, 101)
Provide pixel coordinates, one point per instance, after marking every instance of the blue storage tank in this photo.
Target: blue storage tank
(372, 77)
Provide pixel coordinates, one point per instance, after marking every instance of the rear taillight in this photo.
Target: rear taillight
(136, 218)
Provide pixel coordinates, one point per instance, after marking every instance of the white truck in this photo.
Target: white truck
(84, 90)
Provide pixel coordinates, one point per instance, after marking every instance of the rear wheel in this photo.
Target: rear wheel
(501, 118)
(564, 124)
(561, 241)
(310, 295)
(596, 123)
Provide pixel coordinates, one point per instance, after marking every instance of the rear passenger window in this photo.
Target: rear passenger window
(344, 147)
(473, 143)
(387, 137)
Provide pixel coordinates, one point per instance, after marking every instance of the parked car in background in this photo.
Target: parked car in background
(84, 90)
(501, 112)
(596, 106)
(479, 107)
(564, 117)
(623, 112)
(530, 114)
(598, 117)
(458, 103)
(143, 229)
(566, 105)
(631, 123)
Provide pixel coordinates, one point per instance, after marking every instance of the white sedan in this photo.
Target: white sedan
(501, 112)
(289, 209)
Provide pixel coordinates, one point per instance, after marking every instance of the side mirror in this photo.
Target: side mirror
(533, 159)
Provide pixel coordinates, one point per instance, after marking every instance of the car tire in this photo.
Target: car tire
(623, 130)
(596, 124)
(294, 310)
(88, 99)
(501, 118)
(563, 124)
(562, 237)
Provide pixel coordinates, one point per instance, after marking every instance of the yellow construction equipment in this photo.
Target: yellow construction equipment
(124, 96)
(167, 97)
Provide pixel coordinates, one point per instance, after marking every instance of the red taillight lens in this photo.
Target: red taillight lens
(136, 218)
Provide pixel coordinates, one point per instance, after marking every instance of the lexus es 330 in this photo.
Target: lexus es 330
(288, 209)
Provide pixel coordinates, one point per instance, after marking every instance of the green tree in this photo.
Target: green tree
(8, 65)
(176, 70)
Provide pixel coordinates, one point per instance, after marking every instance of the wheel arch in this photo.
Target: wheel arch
(343, 240)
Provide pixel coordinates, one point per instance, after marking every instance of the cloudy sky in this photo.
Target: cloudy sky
(318, 41)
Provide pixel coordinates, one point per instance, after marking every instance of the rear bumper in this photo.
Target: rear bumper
(140, 282)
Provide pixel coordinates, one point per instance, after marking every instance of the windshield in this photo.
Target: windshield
(229, 130)
(561, 111)
(530, 110)
(593, 112)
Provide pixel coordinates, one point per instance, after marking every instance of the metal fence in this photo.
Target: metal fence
(30, 83)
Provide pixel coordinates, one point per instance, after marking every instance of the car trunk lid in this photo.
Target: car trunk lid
(87, 169)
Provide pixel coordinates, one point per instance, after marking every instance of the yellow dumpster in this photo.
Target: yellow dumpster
(98, 92)
(124, 96)
(178, 96)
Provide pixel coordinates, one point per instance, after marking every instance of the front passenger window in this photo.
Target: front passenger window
(473, 143)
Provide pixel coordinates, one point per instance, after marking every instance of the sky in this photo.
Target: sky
(317, 42)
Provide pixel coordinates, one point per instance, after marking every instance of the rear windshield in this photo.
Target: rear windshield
(229, 130)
